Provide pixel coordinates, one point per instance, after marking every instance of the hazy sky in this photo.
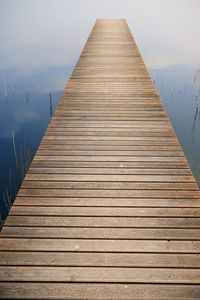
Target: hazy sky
(35, 33)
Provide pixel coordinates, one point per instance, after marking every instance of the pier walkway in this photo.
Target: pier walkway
(109, 208)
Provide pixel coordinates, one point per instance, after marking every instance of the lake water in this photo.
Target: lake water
(179, 87)
(27, 102)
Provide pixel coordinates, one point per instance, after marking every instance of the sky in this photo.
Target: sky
(40, 33)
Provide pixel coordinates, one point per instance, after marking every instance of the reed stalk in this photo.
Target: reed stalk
(14, 149)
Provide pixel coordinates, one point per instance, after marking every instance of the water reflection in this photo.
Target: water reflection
(26, 106)
(179, 87)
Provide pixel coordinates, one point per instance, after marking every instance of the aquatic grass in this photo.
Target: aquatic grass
(1, 220)
(23, 158)
(22, 164)
(7, 198)
(50, 104)
(14, 149)
(28, 97)
(5, 87)
(196, 82)
(19, 152)
(10, 183)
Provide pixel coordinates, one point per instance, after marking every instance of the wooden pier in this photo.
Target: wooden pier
(109, 208)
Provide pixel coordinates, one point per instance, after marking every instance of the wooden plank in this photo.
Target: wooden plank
(117, 165)
(108, 171)
(120, 178)
(106, 202)
(94, 274)
(110, 158)
(99, 245)
(123, 139)
(141, 148)
(98, 291)
(99, 259)
(103, 221)
(106, 211)
(60, 152)
(102, 233)
(106, 193)
(111, 133)
(95, 185)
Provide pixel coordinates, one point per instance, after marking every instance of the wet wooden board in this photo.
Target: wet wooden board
(109, 208)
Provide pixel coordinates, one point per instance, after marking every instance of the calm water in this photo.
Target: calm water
(27, 102)
(179, 87)
(26, 107)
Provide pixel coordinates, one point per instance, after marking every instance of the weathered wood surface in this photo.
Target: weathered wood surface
(109, 208)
